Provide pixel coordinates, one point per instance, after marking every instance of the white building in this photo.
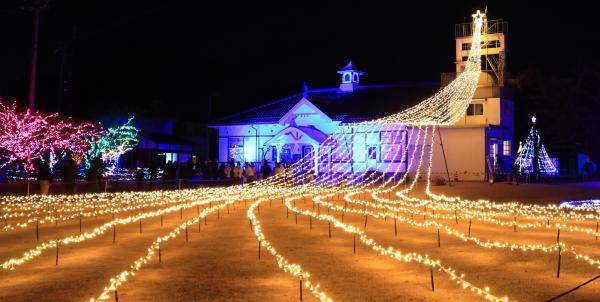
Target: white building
(292, 127)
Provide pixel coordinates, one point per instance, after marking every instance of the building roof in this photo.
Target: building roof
(349, 67)
(313, 132)
(163, 138)
(364, 103)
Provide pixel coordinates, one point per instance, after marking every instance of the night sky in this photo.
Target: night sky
(165, 58)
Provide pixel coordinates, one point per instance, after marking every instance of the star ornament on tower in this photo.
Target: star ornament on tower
(478, 16)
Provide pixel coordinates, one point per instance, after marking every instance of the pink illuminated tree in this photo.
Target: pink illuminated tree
(26, 135)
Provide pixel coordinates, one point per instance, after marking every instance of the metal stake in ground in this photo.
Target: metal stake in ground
(159, 255)
(558, 267)
(354, 243)
(114, 233)
(140, 226)
(329, 229)
(300, 289)
(57, 244)
(438, 233)
(310, 221)
(186, 233)
(161, 220)
(469, 227)
(395, 227)
(431, 275)
(559, 250)
(259, 250)
(116, 296)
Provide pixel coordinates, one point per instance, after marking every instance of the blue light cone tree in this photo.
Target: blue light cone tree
(534, 151)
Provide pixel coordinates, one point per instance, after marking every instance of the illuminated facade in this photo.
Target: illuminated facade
(298, 125)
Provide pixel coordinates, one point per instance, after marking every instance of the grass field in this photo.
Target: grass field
(220, 260)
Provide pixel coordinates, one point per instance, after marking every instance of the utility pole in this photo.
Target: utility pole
(207, 129)
(64, 52)
(38, 5)
(536, 149)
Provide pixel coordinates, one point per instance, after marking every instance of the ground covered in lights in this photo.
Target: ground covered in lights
(220, 260)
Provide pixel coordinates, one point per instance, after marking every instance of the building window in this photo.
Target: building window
(506, 148)
(286, 155)
(372, 152)
(493, 150)
(356, 77)
(347, 78)
(484, 45)
(274, 154)
(390, 146)
(236, 149)
(390, 137)
(170, 157)
(475, 109)
(493, 153)
(491, 44)
(342, 152)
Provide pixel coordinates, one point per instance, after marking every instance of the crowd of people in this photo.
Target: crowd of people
(174, 175)
(206, 172)
(234, 173)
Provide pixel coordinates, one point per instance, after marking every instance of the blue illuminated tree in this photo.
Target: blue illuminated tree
(533, 151)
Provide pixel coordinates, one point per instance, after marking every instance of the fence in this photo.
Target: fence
(108, 185)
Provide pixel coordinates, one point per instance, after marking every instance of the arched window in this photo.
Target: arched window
(346, 78)
(356, 77)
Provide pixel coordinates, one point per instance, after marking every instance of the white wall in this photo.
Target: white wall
(465, 150)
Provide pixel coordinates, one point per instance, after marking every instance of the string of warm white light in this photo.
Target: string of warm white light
(353, 183)
(512, 246)
(122, 277)
(291, 268)
(97, 231)
(77, 208)
(397, 254)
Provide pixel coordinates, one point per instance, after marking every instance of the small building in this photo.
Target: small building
(298, 125)
(163, 140)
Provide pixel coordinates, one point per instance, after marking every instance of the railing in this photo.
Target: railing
(111, 185)
(490, 81)
(493, 27)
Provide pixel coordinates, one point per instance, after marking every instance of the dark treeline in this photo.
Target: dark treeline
(567, 107)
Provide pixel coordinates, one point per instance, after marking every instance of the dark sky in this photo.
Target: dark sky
(166, 57)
